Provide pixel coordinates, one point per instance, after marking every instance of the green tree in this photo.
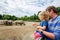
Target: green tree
(1, 16)
(14, 18)
(58, 10)
(6, 17)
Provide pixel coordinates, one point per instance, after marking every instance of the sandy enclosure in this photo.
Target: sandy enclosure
(17, 32)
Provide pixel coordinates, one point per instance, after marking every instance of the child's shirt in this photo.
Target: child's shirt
(43, 23)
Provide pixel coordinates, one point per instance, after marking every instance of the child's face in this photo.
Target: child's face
(41, 17)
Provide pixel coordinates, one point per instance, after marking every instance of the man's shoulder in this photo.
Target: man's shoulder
(58, 18)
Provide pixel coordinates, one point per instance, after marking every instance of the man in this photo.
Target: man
(53, 32)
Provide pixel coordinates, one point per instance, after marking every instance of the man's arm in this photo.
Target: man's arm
(48, 34)
(55, 35)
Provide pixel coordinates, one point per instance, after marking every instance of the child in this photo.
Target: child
(43, 25)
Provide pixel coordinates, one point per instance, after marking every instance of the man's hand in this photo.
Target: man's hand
(48, 34)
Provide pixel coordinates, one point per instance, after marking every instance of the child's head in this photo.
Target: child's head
(43, 16)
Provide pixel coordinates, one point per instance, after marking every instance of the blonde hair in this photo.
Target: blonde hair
(43, 13)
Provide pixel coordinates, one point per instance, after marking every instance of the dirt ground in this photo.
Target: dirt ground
(17, 32)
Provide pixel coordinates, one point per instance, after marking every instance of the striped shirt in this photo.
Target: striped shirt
(54, 27)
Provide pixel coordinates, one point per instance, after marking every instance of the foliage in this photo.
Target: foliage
(25, 18)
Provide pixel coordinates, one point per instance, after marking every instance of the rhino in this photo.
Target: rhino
(20, 23)
(8, 22)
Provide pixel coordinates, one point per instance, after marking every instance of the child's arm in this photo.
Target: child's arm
(43, 28)
(36, 25)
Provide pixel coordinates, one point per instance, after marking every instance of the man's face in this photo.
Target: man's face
(49, 13)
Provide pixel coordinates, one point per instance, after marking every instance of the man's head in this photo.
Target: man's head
(51, 11)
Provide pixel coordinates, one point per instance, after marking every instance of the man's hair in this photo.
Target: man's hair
(51, 8)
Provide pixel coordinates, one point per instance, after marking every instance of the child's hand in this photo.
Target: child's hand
(38, 27)
(33, 24)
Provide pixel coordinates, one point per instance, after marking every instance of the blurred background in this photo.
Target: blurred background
(18, 16)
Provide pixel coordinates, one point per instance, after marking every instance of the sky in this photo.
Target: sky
(25, 7)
